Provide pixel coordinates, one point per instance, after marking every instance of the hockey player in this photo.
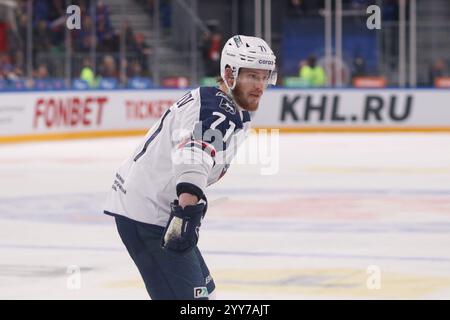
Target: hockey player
(158, 195)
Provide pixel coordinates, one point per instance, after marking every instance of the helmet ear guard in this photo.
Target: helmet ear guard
(234, 75)
(273, 77)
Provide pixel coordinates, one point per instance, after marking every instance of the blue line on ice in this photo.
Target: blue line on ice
(240, 253)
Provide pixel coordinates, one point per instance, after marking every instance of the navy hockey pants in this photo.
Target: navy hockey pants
(167, 275)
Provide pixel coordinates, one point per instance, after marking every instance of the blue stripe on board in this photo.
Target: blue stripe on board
(241, 253)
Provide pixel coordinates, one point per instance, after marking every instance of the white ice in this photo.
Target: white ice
(346, 216)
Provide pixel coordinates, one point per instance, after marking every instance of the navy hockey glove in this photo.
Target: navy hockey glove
(182, 231)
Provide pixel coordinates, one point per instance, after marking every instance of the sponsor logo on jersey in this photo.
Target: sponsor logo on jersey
(200, 292)
(226, 103)
(227, 106)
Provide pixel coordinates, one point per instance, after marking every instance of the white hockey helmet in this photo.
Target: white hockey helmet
(247, 52)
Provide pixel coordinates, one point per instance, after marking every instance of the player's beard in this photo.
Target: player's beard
(245, 101)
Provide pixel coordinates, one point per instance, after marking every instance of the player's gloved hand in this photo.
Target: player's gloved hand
(182, 230)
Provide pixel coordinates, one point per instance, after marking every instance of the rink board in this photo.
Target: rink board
(47, 115)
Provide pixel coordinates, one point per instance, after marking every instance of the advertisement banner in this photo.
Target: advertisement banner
(28, 113)
(384, 108)
(43, 113)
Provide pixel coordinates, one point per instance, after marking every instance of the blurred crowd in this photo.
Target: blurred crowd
(49, 44)
(96, 49)
(314, 71)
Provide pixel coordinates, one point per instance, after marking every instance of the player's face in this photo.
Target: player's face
(250, 86)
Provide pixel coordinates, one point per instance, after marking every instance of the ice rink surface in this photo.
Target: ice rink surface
(341, 216)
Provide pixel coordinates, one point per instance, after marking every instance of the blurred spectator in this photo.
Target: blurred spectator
(108, 69)
(82, 39)
(142, 50)
(140, 45)
(102, 11)
(107, 37)
(15, 74)
(135, 70)
(5, 65)
(8, 70)
(130, 40)
(311, 73)
(18, 62)
(41, 79)
(212, 46)
(41, 72)
(437, 69)
(87, 74)
(42, 33)
(359, 67)
(135, 43)
(337, 68)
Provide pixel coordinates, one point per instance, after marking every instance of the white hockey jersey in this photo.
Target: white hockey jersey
(188, 149)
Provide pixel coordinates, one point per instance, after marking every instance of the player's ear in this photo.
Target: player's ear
(229, 77)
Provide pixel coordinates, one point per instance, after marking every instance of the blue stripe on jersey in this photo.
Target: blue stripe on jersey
(245, 116)
(218, 110)
(153, 136)
(185, 99)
